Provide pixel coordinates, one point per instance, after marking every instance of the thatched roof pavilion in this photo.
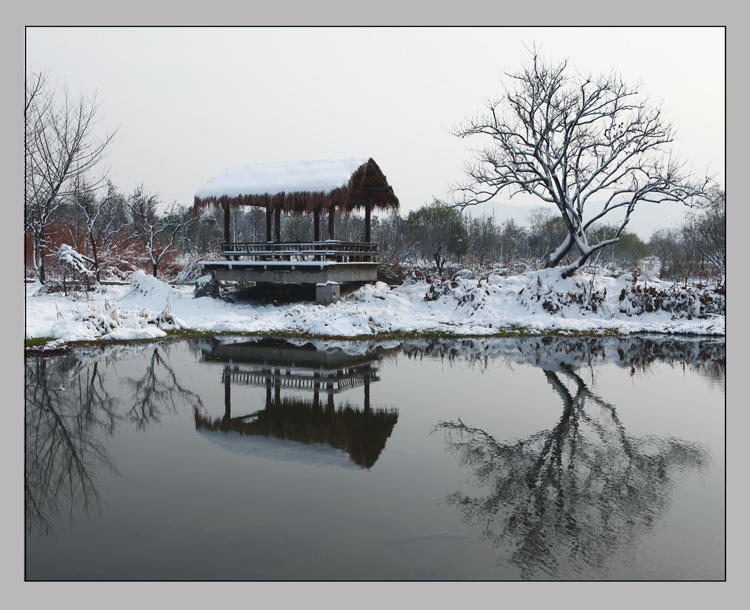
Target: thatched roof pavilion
(312, 187)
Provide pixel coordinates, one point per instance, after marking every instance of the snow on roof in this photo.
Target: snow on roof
(279, 450)
(320, 176)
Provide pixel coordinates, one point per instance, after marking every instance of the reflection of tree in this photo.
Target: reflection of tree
(68, 414)
(565, 502)
(156, 390)
(62, 447)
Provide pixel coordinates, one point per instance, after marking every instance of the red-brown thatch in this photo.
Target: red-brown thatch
(239, 185)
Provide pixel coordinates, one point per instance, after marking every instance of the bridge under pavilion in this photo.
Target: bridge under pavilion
(317, 188)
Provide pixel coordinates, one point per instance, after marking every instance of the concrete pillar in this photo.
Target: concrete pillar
(327, 293)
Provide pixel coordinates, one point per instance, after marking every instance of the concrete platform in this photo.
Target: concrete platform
(299, 272)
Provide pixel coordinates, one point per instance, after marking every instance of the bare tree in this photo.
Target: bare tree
(61, 148)
(513, 242)
(297, 228)
(390, 234)
(483, 238)
(158, 233)
(99, 215)
(706, 231)
(575, 141)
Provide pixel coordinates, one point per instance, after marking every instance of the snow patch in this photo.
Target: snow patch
(149, 291)
(319, 176)
(466, 304)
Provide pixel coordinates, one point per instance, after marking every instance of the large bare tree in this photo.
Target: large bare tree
(61, 148)
(577, 142)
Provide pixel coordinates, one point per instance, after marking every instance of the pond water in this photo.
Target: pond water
(263, 459)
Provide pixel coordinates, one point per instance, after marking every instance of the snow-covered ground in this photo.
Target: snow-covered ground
(538, 301)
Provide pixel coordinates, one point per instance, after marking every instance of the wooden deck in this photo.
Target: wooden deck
(318, 262)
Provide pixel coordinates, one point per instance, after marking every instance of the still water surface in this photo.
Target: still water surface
(262, 459)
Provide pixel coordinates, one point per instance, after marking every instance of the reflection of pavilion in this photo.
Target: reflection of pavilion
(277, 365)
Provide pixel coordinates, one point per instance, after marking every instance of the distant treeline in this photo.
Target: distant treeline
(109, 235)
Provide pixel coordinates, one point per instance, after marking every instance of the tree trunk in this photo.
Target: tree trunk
(553, 260)
(439, 262)
(95, 256)
(331, 232)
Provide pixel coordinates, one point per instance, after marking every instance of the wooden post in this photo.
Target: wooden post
(368, 210)
(331, 232)
(226, 221)
(278, 225)
(268, 221)
(316, 222)
(227, 394)
(316, 391)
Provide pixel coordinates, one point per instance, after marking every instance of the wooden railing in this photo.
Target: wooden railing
(331, 382)
(341, 251)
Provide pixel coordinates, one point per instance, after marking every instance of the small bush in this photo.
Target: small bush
(684, 301)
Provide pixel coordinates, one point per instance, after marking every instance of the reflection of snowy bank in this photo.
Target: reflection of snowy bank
(632, 352)
(467, 305)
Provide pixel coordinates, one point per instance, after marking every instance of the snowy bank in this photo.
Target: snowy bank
(465, 305)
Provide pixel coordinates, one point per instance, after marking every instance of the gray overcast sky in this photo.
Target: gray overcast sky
(191, 101)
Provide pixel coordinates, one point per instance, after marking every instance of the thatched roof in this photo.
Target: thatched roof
(304, 186)
(361, 434)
